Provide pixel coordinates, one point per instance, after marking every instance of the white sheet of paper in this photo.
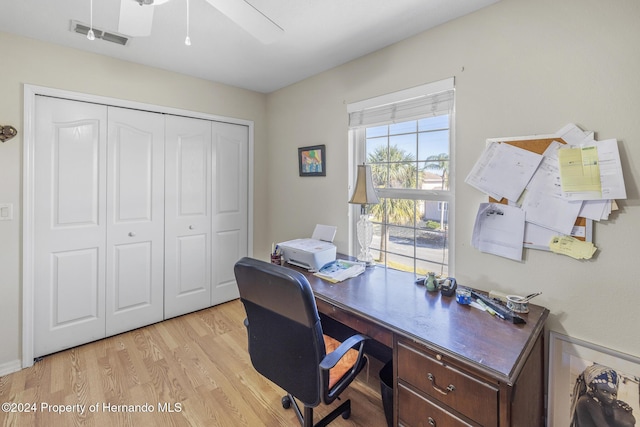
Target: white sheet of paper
(324, 232)
(573, 135)
(499, 230)
(543, 201)
(537, 237)
(611, 176)
(596, 209)
(503, 170)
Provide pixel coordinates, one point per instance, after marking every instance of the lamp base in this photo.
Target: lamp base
(364, 232)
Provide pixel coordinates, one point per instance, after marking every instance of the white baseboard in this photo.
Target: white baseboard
(10, 367)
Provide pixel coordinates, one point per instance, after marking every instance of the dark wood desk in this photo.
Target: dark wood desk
(496, 368)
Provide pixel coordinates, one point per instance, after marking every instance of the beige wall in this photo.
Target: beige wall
(521, 67)
(26, 61)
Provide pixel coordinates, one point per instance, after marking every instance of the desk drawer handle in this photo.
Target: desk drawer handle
(446, 391)
(431, 421)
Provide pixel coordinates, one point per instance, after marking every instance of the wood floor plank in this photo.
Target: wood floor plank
(193, 370)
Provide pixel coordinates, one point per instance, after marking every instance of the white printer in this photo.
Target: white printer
(313, 253)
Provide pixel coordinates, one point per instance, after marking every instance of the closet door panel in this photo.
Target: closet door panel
(75, 286)
(135, 218)
(133, 275)
(69, 223)
(229, 206)
(187, 215)
(133, 176)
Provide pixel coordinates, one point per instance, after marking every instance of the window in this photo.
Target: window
(407, 140)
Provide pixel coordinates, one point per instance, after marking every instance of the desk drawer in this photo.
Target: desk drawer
(442, 381)
(416, 411)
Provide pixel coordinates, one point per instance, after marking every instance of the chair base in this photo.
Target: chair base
(306, 419)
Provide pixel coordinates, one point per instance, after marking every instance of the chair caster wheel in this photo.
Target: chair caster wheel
(286, 402)
(346, 414)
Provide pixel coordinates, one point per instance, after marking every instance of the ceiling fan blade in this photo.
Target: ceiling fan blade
(135, 20)
(250, 19)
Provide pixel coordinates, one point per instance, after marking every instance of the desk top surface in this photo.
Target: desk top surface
(392, 299)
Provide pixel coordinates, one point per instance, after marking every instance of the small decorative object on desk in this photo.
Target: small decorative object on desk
(448, 287)
(463, 296)
(515, 304)
(431, 283)
(276, 255)
(519, 304)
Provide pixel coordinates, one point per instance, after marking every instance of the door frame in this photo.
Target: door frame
(28, 183)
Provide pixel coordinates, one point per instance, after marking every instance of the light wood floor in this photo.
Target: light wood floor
(193, 370)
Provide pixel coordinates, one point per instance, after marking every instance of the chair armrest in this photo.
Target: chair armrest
(331, 359)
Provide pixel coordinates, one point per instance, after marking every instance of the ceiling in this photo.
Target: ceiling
(317, 34)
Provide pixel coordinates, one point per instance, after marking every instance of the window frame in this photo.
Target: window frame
(357, 156)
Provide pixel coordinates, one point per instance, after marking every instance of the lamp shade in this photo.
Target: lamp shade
(364, 193)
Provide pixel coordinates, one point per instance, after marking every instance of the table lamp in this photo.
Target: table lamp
(363, 195)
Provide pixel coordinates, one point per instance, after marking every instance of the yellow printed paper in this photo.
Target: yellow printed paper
(579, 169)
(570, 246)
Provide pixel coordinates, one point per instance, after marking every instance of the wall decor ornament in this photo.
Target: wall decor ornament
(591, 385)
(312, 160)
(7, 132)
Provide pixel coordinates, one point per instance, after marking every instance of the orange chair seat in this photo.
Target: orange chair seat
(343, 365)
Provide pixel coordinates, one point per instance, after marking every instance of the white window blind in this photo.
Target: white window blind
(433, 98)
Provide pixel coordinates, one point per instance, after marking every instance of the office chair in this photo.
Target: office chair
(286, 342)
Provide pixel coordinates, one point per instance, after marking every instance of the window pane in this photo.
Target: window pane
(393, 246)
(391, 175)
(397, 241)
(401, 240)
(379, 174)
(433, 144)
(424, 267)
(431, 123)
(376, 149)
(435, 176)
(405, 127)
(377, 131)
(432, 244)
(401, 212)
(432, 214)
(403, 175)
(406, 146)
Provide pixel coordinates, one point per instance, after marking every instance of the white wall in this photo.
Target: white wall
(521, 67)
(26, 61)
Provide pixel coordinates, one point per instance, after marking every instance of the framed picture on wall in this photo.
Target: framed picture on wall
(591, 385)
(312, 160)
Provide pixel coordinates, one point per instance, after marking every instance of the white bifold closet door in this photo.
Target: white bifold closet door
(70, 158)
(138, 217)
(206, 212)
(135, 219)
(187, 215)
(229, 206)
(99, 222)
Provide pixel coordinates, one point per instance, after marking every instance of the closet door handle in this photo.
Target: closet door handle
(192, 227)
(132, 234)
